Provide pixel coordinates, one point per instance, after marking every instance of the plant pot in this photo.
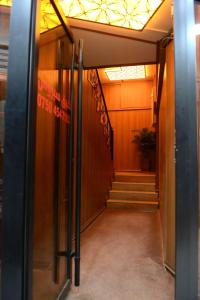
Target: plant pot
(144, 163)
(148, 161)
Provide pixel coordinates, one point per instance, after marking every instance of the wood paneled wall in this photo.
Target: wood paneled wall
(130, 109)
(97, 166)
(167, 159)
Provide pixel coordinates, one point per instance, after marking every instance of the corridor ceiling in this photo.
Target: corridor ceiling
(106, 45)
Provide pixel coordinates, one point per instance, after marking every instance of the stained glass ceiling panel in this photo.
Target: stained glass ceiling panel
(5, 2)
(49, 18)
(132, 14)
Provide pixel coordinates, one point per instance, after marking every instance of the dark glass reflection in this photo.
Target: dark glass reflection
(51, 164)
(4, 46)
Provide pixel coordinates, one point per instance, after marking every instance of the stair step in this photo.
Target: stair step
(133, 177)
(131, 186)
(139, 205)
(133, 195)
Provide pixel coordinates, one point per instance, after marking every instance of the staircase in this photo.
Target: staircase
(133, 190)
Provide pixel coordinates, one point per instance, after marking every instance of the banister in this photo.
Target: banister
(104, 101)
(94, 79)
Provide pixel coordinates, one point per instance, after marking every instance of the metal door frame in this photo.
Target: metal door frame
(186, 153)
(20, 114)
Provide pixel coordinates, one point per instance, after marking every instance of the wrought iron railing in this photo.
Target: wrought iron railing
(3, 58)
(93, 77)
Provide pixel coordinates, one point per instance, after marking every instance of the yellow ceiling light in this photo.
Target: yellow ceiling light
(126, 73)
(132, 14)
(6, 2)
(48, 19)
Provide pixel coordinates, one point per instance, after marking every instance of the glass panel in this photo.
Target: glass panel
(51, 163)
(197, 12)
(4, 45)
(132, 14)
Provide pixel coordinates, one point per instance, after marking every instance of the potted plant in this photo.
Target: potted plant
(146, 141)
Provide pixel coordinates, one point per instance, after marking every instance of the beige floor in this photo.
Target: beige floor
(121, 259)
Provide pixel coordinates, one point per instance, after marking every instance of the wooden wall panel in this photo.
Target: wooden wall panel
(97, 166)
(130, 109)
(167, 159)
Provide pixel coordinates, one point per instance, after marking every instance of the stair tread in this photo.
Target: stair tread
(138, 192)
(138, 183)
(133, 201)
(134, 174)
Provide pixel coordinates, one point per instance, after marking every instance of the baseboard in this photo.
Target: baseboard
(65, 290)
(92, 219)
(170, 270)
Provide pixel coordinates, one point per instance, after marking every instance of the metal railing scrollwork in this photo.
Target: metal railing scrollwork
(101, 107)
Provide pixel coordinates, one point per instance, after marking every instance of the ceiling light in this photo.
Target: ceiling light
(132, 14)
(126, 73)
(5, 2)
(48, 19)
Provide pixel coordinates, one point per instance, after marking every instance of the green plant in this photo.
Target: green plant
(146, 140)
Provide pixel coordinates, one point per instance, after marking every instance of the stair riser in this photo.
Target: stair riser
(122, 195)
(133, 187)
(141, 207)
(136, 179)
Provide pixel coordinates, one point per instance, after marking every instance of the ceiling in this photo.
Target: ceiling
(106, 45)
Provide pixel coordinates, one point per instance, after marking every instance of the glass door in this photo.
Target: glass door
(52, 238)
(4, 46)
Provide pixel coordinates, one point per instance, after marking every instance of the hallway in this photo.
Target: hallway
(122, 259)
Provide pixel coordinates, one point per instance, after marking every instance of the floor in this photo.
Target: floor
(122, 259)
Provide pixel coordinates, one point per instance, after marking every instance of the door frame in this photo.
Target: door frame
(18, 154)
(186, 153)
(18, 164)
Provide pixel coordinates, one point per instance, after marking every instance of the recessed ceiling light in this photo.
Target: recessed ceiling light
(126, 73)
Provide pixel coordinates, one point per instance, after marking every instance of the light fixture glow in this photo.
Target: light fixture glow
(48, 18)
(6, 2)
(126, 73)
(132, 14)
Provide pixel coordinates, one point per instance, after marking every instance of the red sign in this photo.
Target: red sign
(50, 100)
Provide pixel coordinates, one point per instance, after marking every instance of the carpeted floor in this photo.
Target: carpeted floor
(121, 259)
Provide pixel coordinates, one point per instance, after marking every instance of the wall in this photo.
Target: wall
(130, 109)
(167, 159)
(97, 166)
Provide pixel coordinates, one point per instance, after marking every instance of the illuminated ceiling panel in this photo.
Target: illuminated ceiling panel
(132, 14)
(5, 2)
(49, 18)
(126, 73)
